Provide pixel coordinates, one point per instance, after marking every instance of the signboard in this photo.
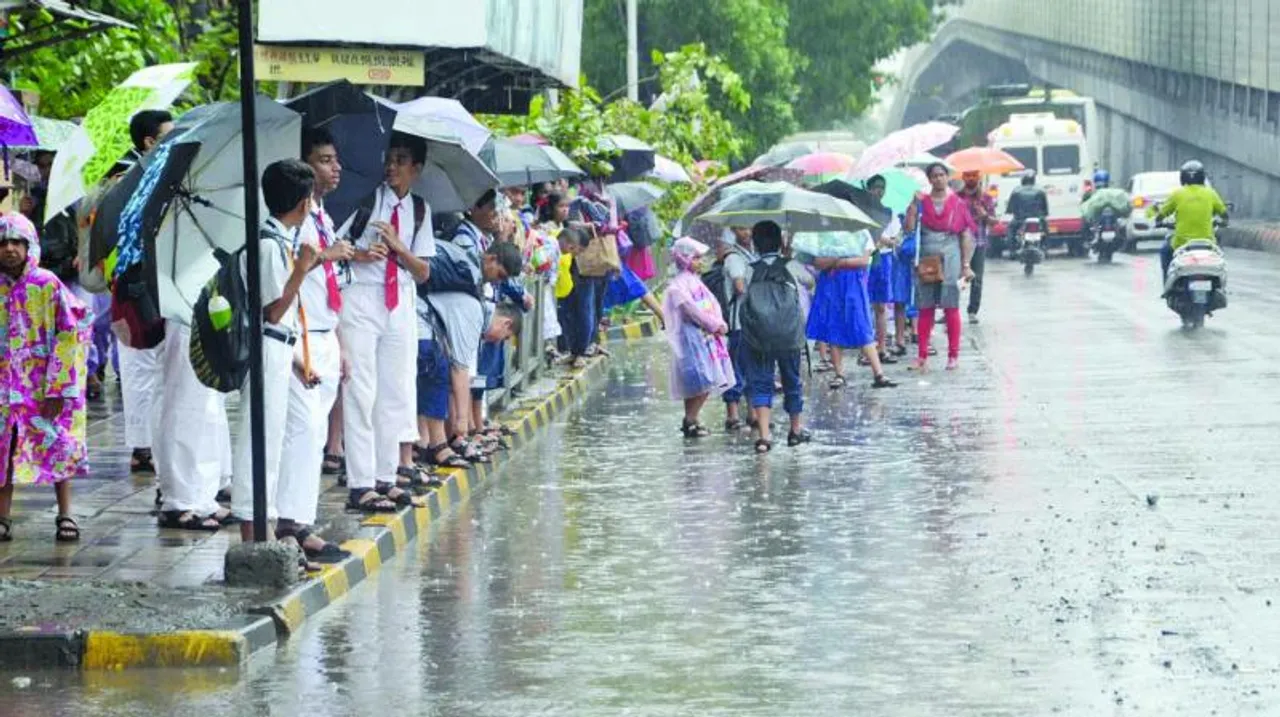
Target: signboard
(358, 65)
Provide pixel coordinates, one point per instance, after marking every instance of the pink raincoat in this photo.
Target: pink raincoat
(700, 360)
(46, 333)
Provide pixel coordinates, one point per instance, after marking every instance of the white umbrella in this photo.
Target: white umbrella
(454, 177)
(209, 211)
(452, 116)
(668, 170)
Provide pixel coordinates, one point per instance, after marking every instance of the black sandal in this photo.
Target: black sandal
(732, 424)
(453, 460)
(186, 520)
(898, 350)
(333, 465)
(6, 530)
(369, 500)
(469, 451)
(141, 461)
(403, 499)
(837, 383)
(228, 519)
(795, 439)
(222, 496)
(68, 531)
(888, 358)
(693, 430)
(416, 478)
(763, 446)
(883, 382)
(495, 441)
(329, 554)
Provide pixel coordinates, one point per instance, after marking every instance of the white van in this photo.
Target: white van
(1057, 151)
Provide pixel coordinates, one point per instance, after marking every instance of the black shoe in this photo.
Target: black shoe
(794, 439)
(883, 382)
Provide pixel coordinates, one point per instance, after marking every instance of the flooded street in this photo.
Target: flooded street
(1081, 521)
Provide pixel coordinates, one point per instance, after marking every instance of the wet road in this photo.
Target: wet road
(1081, 521)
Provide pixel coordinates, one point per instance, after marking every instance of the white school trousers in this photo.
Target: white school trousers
(277, 365)
(379, 398)
(307, 429)
(141, 373)
(189, 459)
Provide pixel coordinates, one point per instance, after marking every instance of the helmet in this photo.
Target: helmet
(1101, 178)
(1192, 173)
(1029, 179)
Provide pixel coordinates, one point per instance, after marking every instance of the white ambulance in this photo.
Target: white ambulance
(1057, 151)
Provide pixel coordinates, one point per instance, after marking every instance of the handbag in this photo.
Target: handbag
(929, 270)
(600, 257)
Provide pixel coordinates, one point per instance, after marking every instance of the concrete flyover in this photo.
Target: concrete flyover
(1173, 79)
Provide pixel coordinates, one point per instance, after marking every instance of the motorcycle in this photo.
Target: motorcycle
(1029, 244)
(1197, 282)
(1106, 236)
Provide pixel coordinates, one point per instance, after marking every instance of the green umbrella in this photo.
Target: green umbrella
(793, 208)
(103, 139)
(901, 187)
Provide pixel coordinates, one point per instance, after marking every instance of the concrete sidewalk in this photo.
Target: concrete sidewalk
(130, 594)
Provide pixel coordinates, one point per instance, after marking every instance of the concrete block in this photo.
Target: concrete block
(270, 564)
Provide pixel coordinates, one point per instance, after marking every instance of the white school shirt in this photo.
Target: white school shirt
(315, 289)
(422, 245)
(274, 267)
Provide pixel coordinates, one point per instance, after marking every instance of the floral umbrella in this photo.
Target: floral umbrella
(822, 167)
(901, 146)
(99, 143)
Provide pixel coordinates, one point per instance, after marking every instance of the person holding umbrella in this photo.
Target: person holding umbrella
(380, 328)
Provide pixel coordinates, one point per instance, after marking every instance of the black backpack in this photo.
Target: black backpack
(452, 270)
(718, 284)
(220, 356)
(365, 211)
(772, 323)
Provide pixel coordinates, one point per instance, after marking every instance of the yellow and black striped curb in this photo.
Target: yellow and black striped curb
(633, 330)
(384, 536)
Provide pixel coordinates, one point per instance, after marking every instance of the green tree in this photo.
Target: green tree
(73, 76)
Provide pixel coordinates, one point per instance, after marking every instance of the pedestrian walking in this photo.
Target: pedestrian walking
(700, 364)
(773, 333)
(945, 248)
(982, 207)
(318, 370)
(45, 330)
(287, 187)
(841, 315)
(379, 328)
(881, 285)
(736, 256)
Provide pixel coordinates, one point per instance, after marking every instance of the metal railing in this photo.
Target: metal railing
(523, 355)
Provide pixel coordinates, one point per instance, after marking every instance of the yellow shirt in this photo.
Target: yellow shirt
(564, 278)
(1195, 205)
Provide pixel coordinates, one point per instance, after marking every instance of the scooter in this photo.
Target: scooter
(1030, 244)
(1106, 236)
(1197, 282)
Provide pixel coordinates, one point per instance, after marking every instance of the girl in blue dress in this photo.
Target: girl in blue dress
(841, 315)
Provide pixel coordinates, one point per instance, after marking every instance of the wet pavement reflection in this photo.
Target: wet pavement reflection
(1080, 521)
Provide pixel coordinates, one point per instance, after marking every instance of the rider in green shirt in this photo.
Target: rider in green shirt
(1195, 205)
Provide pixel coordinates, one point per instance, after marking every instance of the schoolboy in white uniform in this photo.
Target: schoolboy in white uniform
(286, 186)
(379, 329)
(312, 396)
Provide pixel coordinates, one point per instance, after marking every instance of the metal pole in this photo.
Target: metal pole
(633, 54)
(248, 126)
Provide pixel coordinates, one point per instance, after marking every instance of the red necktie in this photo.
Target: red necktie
(330, 276)
(392, 283)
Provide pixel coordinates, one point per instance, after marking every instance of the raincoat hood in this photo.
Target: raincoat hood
(15, 226)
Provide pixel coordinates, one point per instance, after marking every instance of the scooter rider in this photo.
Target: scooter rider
(1195, 206)
(1026, 202)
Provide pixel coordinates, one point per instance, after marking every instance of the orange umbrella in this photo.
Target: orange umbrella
(984, 160)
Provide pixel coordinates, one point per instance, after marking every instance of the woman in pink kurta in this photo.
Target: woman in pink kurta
(43, 363)
(700, 366)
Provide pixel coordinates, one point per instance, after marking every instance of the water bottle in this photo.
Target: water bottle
(219, 312)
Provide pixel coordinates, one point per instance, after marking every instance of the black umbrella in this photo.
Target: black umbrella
(632, 158)
(362, 128)
(519, 164)
(858, 197)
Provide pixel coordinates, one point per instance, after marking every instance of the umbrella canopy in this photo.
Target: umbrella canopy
(924, 159)
(50, 133)
(631, 196)
(530, 138)
(858, 197)
(186, 198)
(103, 138)
(793, 208)
(983, 160)
(15, 125)
(706, 232)
(902, 145)
(780, 154)
(668, 170)
(454, 177)
(632, 159)
(518, 164)
(821, 167)
(455, 119)
(808, 246)
(901, 187)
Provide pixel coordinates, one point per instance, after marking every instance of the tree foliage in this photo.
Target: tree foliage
(806, 63)
(73, 77)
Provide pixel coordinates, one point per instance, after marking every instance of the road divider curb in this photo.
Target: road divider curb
(382, 538)
(633, 330)
(1258, 237)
